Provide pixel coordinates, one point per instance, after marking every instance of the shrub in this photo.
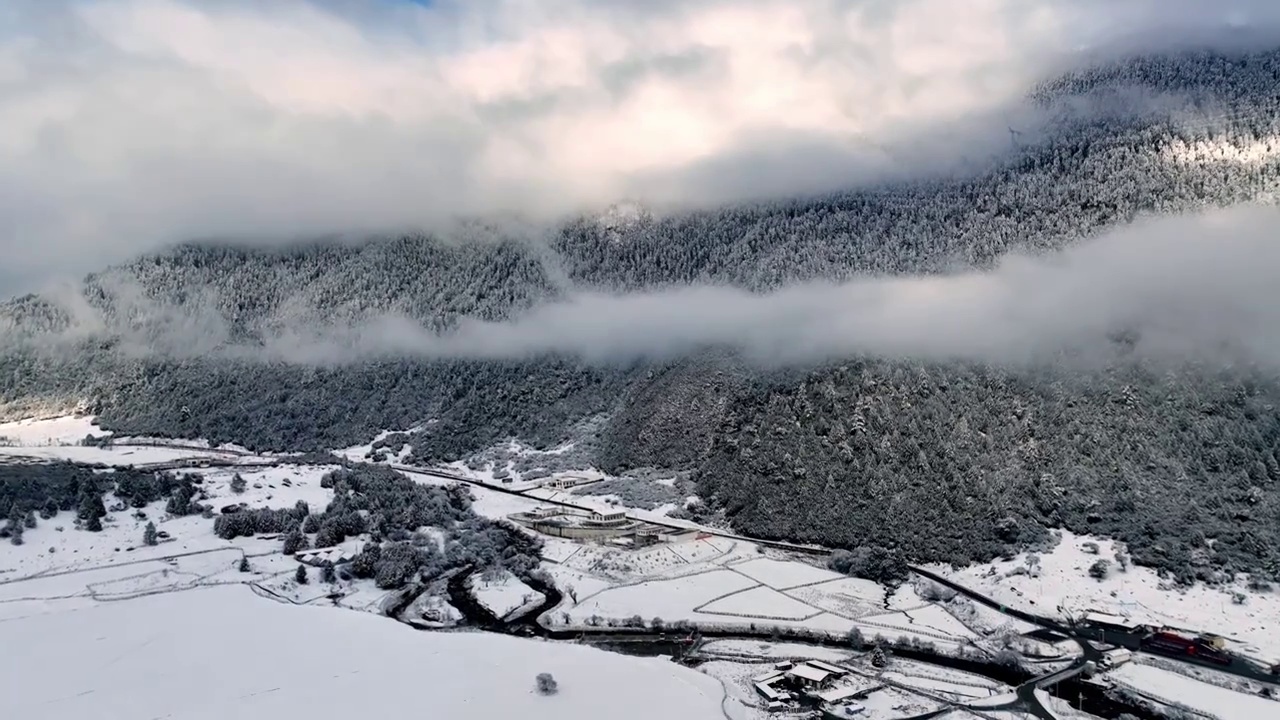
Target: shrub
(546, 684)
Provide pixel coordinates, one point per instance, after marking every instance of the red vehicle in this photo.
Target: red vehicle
(1172, 643)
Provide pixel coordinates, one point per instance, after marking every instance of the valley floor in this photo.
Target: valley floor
(63, 595)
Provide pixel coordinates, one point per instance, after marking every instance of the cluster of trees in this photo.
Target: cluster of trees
(255, 521)
(46, 489)
(932, 461)
(414, 529)
(877, 563)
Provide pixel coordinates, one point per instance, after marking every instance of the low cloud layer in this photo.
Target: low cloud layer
(1188, 287)
(129, 124)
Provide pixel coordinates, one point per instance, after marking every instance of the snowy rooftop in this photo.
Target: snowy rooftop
(1109, 619)
(809, 672)
(833, 669)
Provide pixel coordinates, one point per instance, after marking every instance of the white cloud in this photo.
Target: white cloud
(133, 123)
(1186, 287)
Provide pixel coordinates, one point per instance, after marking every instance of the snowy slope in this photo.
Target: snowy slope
(1170, 687)
(224, 653)
(52, 431)
(1060, 582)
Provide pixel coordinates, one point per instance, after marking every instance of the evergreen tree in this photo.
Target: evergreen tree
(90, 500)
(311, 524)
(301, 575)
(327, 573)
(93, 524)
(238, 484)
(879, 658)
(244, 565)
(50, 509)
(149, 534)
(293, 542)
(30, 520)
(179, 503)
(16, 536)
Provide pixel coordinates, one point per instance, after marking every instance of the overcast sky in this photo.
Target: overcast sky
(129, 124)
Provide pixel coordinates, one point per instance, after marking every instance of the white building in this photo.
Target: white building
(564, 482)
(611, 517)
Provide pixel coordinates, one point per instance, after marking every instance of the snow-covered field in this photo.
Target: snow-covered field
(56, 544)
(504, 595)
(891, 702)
(1062, 582)
(1175, 688)
(222, 652)
(785, 574)
(774, 650)
(52, 431)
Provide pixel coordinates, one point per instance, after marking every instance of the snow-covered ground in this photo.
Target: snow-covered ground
(222, 652)
(710, 582)
(785, 574)
(51, 431)
(504, 595)
(113, 455)
(55, 544)
(1062, 583)
(736, 677)
(1169, 687)
(890, 702)
(774, 650)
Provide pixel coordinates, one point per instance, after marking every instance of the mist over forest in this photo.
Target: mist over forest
(1049, 307)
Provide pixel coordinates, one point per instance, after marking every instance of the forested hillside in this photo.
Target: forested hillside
(943, 461)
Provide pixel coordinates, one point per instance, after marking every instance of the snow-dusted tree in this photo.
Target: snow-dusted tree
(244, 565)
(93, 524)
(293, 542)
(300, 575)
(179, 503)
(50, 509)
(879, 658)
(30, 520)
(546, 684)
(238, 483)
(311, 524)
(327, 574)
(854, 638)
(149, 534)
